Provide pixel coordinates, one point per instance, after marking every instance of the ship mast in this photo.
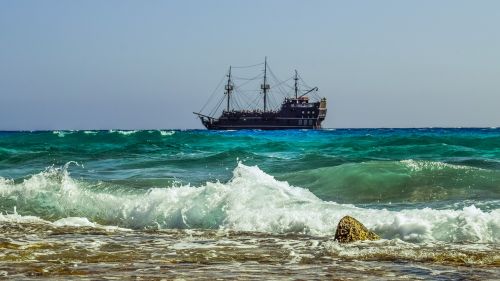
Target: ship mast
(296, 86)
(265, 86)
(229, 88)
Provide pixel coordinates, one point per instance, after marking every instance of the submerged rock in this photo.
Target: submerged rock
(349, 230)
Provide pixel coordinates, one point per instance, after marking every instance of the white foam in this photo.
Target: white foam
(192, 245)
(127, 132)
(16, 218)
(251, 201)
(74, 221)
(417, 166)
(167, 133)
(62, 134)
(69, 221)
(396, 249)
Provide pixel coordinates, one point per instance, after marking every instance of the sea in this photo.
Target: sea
(249, 205)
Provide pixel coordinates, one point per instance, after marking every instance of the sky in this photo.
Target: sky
(150, 64)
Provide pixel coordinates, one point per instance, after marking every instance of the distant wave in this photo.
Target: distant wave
(398, 181)
(127, 132)
(62, 134)
(167, 133)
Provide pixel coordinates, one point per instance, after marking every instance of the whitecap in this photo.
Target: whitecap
(61, 134)
(127, 132)
(167, 133)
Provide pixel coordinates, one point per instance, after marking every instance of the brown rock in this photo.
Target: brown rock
(350, 230)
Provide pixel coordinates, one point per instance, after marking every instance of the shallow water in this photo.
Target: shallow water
(249, 204)
(41, 249)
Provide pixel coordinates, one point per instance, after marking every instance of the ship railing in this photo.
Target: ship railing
(244, 111)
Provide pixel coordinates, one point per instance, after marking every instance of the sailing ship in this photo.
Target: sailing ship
(297, 111)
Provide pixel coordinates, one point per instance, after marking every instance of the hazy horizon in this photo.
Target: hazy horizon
(148, 65)
(203, 129)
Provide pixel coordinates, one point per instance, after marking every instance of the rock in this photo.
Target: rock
(349, 230)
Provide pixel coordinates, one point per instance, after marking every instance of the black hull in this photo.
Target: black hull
(269, 127)
(258, 123)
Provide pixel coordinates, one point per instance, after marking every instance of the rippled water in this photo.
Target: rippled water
(249, 204)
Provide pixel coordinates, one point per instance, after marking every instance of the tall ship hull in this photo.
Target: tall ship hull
(297, 111)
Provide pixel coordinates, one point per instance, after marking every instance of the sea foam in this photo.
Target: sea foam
(167, 133)
(127, 132)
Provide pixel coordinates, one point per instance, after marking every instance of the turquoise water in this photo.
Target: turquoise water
(347, 166)
(425, 191)
(373, 168)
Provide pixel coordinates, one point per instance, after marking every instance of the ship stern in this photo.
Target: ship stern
(322, 112)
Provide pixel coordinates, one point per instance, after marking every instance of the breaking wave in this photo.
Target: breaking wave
(251, 201)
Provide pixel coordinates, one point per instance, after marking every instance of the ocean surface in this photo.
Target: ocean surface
(255, 205)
